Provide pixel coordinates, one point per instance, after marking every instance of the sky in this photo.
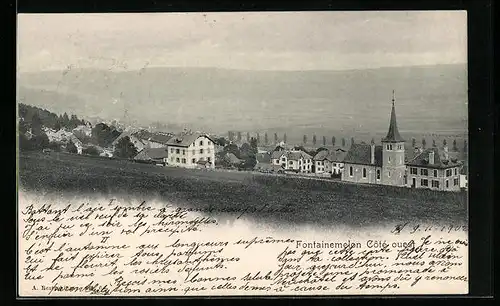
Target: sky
(241, 40)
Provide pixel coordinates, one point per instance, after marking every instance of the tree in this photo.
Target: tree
(40, 141)
(343, 142)
(275, 138)
(455, 148)
(266, 138)
(91, 150)
(314, 139)
(36, 125)
(71, 147)
(24, 143)
(248, 136)
(239, 136)
(221, 141)
(230, 135)
(258, 138)
(424, 143)
(125, 148)
(466, 149)
(352, 141)
(333, 141)
(304, 139)
(444, 143)
(324, 140)
(284, 138)
(232, 148)
(413, 142)
(103, 135)
(65, 120)
(373, 141)
(434, 143)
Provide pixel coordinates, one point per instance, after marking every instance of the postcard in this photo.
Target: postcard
(242, 154)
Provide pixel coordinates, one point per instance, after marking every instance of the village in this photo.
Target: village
(387, 163)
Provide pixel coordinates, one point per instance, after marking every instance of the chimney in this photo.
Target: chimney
(372, 153)
(445, 151)
(431, 157)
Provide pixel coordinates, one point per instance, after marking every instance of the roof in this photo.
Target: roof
(185, 140)
(122, 135)
(162, 138)
(152, 153)
(233, 159)
(296, 155)
(277, 154)
(360, 153)
(393, 133)
(263, 157)
(337, 155)
(440, 160)
(321, 155)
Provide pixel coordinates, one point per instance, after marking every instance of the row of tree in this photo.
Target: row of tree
(48, 119)
(237, 136)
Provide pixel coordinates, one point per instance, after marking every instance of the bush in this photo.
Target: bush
(91, 151)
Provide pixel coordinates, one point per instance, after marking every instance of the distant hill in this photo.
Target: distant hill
(429, 99)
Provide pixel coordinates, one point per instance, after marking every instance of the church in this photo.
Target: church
(378, 164)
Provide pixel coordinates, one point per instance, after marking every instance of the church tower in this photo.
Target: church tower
(393, 153)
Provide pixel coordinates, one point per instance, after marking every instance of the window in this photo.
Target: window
(177, 159)
(456, 182)
(424, 172)
(183, 152)
(389, 174)
(435, 184)
(364, 172)
(201, 142)
(424, 182)
(413, 170)
(183, 160)
(435, 173)
(209, 159)
(177, 151)
(172, 150)
(447, 184)
(389, 158)
(350, 171)
(193, 161)
(290, 162)
(378, 174)
(208, 151)
(283, 158)
(448, 172)
(201, 151)
(171, 159)
(456, 171)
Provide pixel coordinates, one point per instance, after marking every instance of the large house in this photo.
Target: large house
(191, 150)
(375, 164)
(328, 162)
(294, 160)
(434, 169)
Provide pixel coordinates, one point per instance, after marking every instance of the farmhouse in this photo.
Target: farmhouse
(138, 143)
(153, 139)
(294, 160)
(191, 150)
(434, 169)
(383, 164)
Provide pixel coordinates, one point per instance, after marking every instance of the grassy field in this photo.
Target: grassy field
(300, 200)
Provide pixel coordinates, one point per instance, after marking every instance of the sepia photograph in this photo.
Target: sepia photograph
(242, 153)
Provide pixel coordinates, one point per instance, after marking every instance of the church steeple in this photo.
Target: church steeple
(393, 133)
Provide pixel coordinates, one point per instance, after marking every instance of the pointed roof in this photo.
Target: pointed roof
(393, 133)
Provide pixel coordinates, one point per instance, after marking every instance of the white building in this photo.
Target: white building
(294, 160)
(191, 150)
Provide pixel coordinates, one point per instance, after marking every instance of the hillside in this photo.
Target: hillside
(430, 99)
